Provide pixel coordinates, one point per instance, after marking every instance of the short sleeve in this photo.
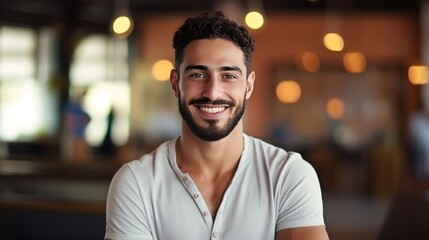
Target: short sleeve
(125, 214)
(300, 199)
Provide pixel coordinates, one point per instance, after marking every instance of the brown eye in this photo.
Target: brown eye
(196, 75)
(229, 76)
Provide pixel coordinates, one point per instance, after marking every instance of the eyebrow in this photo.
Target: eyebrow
(197, 67)
(231, 68)
(205, 68)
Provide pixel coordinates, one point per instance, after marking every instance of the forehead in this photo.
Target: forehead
(213, 52)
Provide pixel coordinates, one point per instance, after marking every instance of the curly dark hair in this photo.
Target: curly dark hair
(209, 26)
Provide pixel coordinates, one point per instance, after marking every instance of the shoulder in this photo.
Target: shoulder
(162, 153)
(281, 165)
(138, 178)
(294, 183)
(261, 150)
(147, 167)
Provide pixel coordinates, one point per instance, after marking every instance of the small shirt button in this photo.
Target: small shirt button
(205, 214)
(214, 234)
(196, 196)
(185, 179)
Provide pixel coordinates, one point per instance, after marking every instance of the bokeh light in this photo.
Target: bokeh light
(310, 61)
(122, 26)
(333, 42)
(288, 91)
(161, 70)
(418, 74)
(254, 20)
(335, 108)
(354, 62)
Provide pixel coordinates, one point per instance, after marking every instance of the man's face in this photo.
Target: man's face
(212, 87)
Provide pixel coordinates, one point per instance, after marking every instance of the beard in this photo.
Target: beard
(212, 132)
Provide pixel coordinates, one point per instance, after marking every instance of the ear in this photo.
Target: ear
(250, 84)
(174, 82)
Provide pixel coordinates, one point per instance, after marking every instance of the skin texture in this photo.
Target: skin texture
(310, 233)
(212, 87)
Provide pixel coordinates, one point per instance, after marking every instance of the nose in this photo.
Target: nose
(212, 88)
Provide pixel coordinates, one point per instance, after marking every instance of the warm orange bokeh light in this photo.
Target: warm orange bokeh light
(335, 108)
(354, 62)
(418, 74)
(288, 91)
(333, 42)
(161, 70)
(310, 61)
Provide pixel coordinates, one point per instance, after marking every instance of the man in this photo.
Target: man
(214, 181)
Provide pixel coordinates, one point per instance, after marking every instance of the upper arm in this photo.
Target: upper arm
(308, 233)
(125, 213)
(300, 199)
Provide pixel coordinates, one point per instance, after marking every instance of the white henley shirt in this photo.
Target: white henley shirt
(271, 190)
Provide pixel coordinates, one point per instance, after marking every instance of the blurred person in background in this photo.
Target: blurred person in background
(76, 121)
(215, 181)
(419, 138)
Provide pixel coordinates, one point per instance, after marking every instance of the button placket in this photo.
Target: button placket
(195, 194)
(218, 221)
(217, 225)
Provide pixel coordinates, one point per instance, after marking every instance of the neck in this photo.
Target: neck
(209, 158)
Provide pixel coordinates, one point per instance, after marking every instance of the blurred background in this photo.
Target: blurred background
(84, 88)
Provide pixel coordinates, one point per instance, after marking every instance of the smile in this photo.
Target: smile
(212, 109)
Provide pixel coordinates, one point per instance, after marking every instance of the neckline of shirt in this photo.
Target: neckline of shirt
(173, 160)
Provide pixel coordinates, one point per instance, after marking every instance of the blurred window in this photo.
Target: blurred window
(100, 67)
(27, 99)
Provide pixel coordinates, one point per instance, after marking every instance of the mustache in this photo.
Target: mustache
(206, 100)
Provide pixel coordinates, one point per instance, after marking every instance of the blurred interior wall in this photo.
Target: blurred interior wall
(424, 31)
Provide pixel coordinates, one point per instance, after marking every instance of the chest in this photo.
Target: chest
(241, 212)
(212, 192)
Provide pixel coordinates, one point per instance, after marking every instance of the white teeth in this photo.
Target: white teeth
(212, 110)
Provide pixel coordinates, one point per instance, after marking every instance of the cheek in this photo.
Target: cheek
(240, 94)
(187, 91)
